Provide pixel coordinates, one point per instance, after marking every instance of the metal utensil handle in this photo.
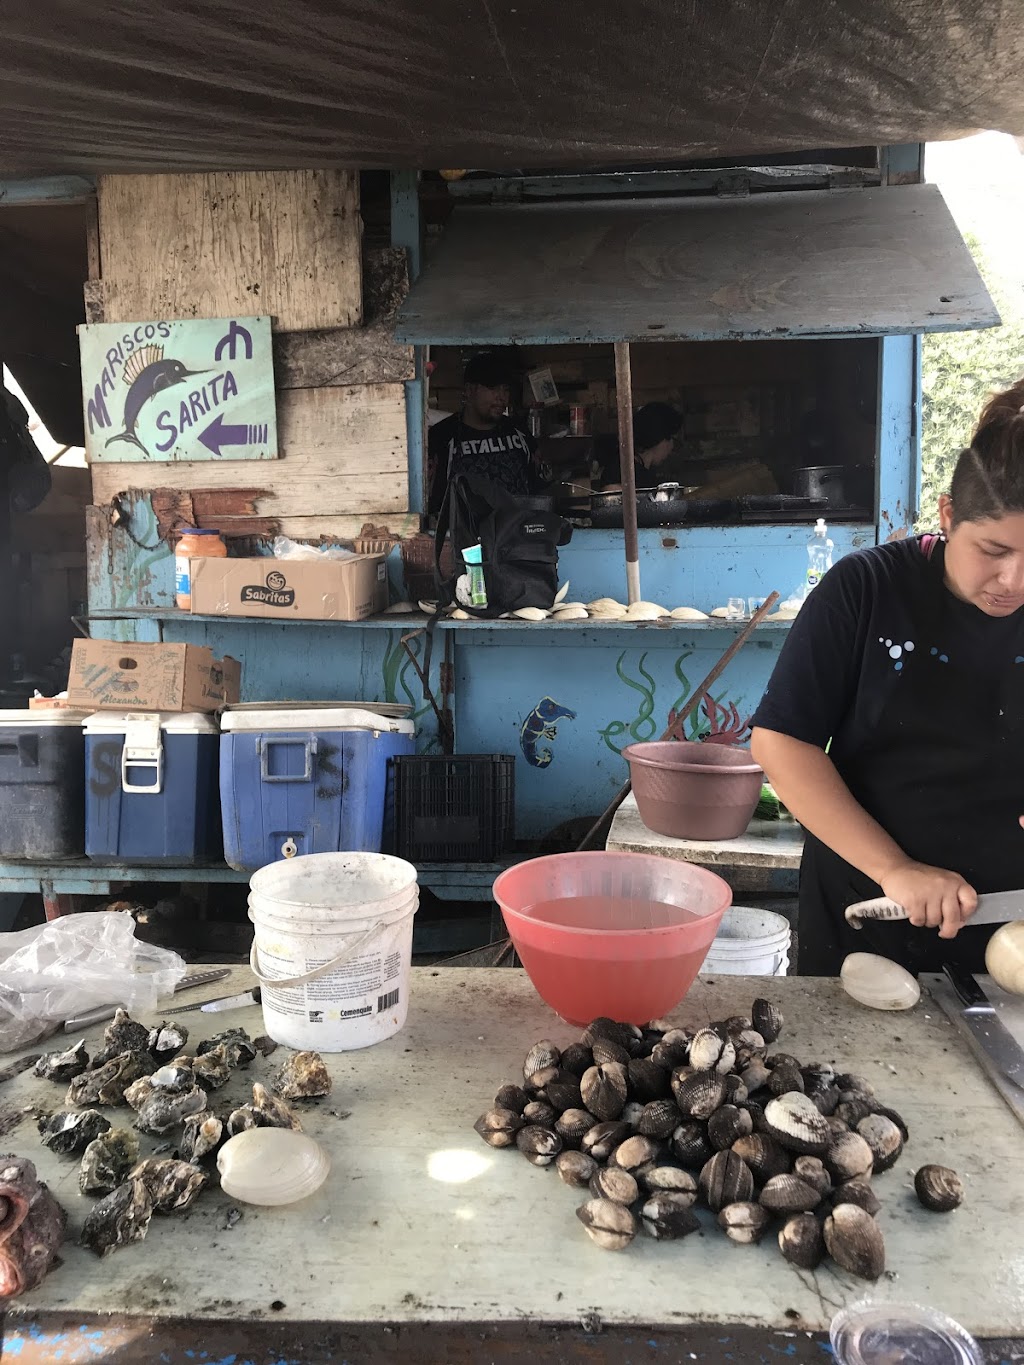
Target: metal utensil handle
(970, 993)
(882, 908)
(280, 982)
(102, 1013)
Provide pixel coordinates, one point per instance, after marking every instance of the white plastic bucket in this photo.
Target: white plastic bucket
(749, 943)
(333, 948)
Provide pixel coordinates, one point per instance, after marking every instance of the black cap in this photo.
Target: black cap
(654, 423)
(488, 369)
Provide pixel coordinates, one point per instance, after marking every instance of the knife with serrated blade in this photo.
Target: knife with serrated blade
(997, 907)
(223, 1002)
(991, 1034)
(104, 1012)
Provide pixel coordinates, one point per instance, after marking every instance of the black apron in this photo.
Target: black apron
(944, 776)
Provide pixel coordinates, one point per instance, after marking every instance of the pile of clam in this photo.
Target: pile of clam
(170, 1092)
(655, 1122)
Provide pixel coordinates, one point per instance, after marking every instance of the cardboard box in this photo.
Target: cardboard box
(107, 675)
(290, 589)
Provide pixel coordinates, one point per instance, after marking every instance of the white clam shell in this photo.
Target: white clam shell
(606, 604)
(428, 607)
(571, 614)
(878, 983)
(459, 615)
(687, 614)
(721, 613)
(399, 608)
(531, 614)
(272, 1166)
(569, 606)
(645, 611)
(562, 591)
(1004, 957)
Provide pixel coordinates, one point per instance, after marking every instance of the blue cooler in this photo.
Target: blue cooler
(151, 788)
(296, 780)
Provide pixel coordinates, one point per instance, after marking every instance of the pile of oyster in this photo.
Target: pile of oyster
(655, 1122)
(170, 1092)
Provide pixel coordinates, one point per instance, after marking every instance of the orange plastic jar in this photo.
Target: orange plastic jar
(194, 544)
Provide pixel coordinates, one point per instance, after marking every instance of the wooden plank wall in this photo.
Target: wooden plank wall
(287, 244)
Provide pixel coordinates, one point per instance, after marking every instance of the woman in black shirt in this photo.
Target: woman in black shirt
(893, 725)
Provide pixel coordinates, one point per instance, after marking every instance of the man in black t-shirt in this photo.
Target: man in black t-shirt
(480, 439)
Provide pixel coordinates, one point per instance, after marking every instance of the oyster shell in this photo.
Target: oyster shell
(854, 1241)
(744, 1222)
(795, 1122)
(272, 1166)
(123, 1216)
(241, 1120)
(240, 1048)
(162, 1111)
(304, 1076)
(172, 1185)
(271, 1112)
(604, 1090)
(939, 1189)
(107, 1083)
(801, 1241)
(265, 1045)
(726, 1179)
(68, 1132)
(212, 1069)
(789, 1194)
(884, 1139)
(122, 1034)
(107, 1160)
(174, 1077)
(203, 1134)
(610, 1225)
(611, 1182)
(166, 1041)
(512, 1097)
(540, 1146)
(767, 1019)
(63, 1066)
(576, 1168)
(667, 1216)
(699, 1095)
(498, 1127)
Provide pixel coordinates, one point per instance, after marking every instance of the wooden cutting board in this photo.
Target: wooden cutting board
(1011, 1014)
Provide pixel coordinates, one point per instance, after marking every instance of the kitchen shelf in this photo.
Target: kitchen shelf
(417, 621)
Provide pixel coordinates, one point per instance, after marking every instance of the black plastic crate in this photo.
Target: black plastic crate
(459, 808)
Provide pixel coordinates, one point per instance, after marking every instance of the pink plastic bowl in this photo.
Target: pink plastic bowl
(616, 934)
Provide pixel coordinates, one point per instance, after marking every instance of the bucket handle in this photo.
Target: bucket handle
(279, 982)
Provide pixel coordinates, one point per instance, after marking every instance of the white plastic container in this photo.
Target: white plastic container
(333, 948)
(749, 943)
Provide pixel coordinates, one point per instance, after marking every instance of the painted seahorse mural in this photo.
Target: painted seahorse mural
(540, 724)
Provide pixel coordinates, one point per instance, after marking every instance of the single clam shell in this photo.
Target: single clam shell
(726, 1179)
(576, 1168)
(540, 1057)
(710, 1052)
(560, 595)
(572, 614)
(667, 1216)
(601, 1140)
(572, 1125)
(63, 1066)
(795, 1122)
(647, 1080)
(611, 1182)
(1004, 957)
(854, 1241)
(939, 1189)
(512, 1097)
(604, 1089)
(690, 1145)
(659, 1119)
(668, 1180)
(498, 1127)
(399, 608)
(645, 611)
(849, 1156)
(700, 1094)
(789, 1194)
(884, 1138)
(801, 1241)
(568, 606)
(727, 1124)
(605, 604)
(687, 614)
(272, 1166)
(610, 1225)
(744, 1222)
(765, 1157)
(531, 614)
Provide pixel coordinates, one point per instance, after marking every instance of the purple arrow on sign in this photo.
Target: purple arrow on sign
(219, 433)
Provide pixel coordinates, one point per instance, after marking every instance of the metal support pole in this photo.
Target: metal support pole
(624, 404)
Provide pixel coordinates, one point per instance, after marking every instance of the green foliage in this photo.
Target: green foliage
(958, 371)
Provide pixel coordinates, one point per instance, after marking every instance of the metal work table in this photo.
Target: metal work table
(767, 844)
(427, 1245)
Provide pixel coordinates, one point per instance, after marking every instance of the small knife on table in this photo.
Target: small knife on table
(998, 907)
(992, 1036)
(104, 1012)
(226, 1002)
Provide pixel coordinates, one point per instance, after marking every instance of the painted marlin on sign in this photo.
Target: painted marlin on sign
(540, 724)
(147, 373)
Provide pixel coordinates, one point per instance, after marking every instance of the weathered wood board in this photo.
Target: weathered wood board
(343, 453)
(283, 243)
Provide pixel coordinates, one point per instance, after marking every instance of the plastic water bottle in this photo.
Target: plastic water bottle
(819, 554)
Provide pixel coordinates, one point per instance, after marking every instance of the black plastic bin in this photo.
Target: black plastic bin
(42, 785)
(454, 809)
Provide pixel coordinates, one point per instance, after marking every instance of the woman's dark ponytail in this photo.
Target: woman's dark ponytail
(988, 480)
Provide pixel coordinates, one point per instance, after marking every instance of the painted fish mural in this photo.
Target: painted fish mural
(147, 373)
(540, 724)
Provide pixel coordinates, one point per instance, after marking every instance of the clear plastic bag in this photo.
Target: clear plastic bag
(54, 971)
(284, 548)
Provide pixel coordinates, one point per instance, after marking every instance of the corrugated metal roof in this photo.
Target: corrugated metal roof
(808, 264)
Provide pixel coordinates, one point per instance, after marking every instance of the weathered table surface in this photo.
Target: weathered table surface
(765, 844)
(427, 1244)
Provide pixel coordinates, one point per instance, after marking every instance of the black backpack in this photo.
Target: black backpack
(519, 546)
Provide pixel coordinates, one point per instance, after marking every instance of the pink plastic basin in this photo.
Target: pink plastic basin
(616, 934)
(690, 790)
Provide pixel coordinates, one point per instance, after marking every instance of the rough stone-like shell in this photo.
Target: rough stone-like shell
(540, 1146)
(767, 1019)
(272, 1166)
(710, 1052)
(512, 1097)
(744, 1222)
(576, 1168)
(699, 1095)
(610, 1225)
(174, 1077)
(603, 1139)
(789, 1194)
(240, 1048)
(162, 1112)
(612, 1182)
(124, 1034)
(659, 1119)
(498, 1127)
(63, 1066)
(604, 1090)
(765, 1157)
(794, 1121)
(801, 1241)
(667, 1216)
(573, 1124)
(71, 1131)
(939, 1188)
(854, 1241)
(173, 1185)
(647, 1080)
(203, 1134)
(213, 1068)
(108, 1083)
(303, 1076)
(884, 1139)
(120, 1218)
(107, 1160)
(726, 1179)
(165, 1041)
(727, 1125)
(848, 1156)
(272, 1112)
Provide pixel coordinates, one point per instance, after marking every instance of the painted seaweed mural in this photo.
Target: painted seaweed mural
(715, 719)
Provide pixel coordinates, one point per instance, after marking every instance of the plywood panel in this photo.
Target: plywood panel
(283, 243)
(343, 453)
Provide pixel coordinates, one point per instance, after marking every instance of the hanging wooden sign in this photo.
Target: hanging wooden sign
(201, 389)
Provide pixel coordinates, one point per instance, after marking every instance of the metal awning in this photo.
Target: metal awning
(862, 262)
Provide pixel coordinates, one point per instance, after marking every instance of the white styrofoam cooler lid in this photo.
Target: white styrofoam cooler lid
(171, 722)
(40, 720)
(320, 718)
